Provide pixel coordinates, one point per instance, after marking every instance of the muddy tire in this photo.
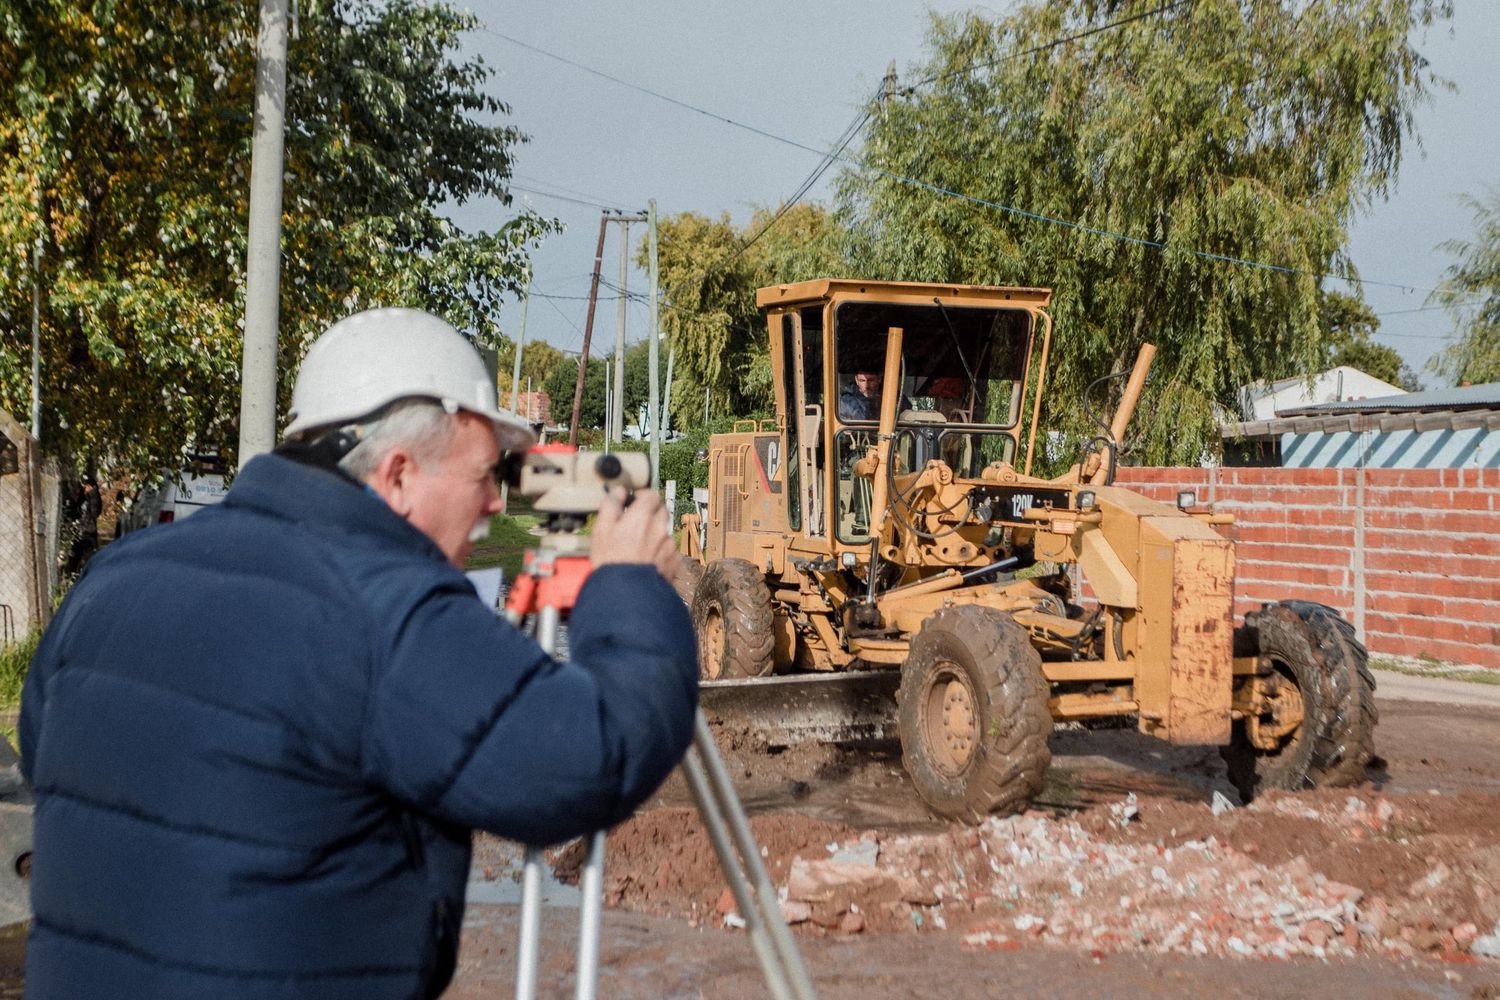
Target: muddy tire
(973, 716)
(1289, 648)
(1346, 742)
(733, 618)
(689, 575)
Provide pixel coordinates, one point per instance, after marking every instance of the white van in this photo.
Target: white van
(174, 498)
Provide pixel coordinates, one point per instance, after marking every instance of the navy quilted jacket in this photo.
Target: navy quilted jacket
(259, 740)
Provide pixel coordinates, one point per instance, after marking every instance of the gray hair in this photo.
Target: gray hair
(420, 425)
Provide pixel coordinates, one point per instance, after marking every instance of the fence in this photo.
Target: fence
(28, 532)
(1411, 556)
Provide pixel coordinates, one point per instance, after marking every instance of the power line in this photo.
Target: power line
(563, 197)
(839, 154)
(1043, 47)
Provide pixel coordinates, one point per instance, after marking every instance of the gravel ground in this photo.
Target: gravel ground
(1138, 869)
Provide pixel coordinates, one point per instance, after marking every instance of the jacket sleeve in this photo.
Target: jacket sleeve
(470, 722)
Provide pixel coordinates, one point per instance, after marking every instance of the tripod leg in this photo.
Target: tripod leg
(531, 924)
(590, 917)
(744, 897)
(734, 813)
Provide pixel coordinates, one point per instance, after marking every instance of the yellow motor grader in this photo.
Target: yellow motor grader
(880, 556)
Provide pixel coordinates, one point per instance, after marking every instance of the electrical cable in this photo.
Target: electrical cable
(1043, 47)
(843, 157)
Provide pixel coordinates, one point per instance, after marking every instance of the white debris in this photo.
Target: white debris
(1220, 804)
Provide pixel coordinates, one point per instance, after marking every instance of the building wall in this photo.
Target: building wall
(1261, 401)
(1410, 556)
(1404, 448)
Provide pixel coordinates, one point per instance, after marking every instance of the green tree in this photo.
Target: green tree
(1471, 291)
(560, 386)
(539, 360)
(1348, 325)
(125, 135)
(1245, 129)
(710, 270)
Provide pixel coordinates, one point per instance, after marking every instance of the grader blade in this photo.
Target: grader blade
(848, 707)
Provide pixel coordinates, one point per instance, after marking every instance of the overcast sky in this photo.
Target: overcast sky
(800, 71)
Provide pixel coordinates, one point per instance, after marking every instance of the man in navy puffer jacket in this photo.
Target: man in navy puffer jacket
(260, 738)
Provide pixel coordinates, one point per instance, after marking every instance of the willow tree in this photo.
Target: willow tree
(1471, 291)
(125, 133)
(1185, 178)
(710, 270)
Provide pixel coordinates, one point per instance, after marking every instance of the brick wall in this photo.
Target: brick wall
(1411, 556)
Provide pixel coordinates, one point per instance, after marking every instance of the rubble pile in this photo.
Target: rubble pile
(1093, 886)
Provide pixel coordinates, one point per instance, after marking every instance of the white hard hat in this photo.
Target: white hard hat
(371, 359)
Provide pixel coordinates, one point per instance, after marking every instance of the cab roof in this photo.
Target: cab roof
(823, 289)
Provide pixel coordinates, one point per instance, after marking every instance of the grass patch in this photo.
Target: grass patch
(15, 660)
(510, 537)
(1429, 667)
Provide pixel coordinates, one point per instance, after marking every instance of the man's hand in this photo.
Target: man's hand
(634, 534)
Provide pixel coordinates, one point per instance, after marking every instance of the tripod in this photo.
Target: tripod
(546, 591)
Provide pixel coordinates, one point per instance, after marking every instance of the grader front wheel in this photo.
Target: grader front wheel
(974, 722)
(733, 617)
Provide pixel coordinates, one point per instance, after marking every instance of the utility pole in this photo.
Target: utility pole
(616, 418)
(588, 334)
(609, 401)
(263, 254)
(653, 355)
(515, 376)
(36, 342)
(666, 399)
(888, 88)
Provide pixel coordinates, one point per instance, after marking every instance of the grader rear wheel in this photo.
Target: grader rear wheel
(974, 722)
(1346, 743)
(733, 617)
(1309, 717)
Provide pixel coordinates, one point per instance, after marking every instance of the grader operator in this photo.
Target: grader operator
(854, 552)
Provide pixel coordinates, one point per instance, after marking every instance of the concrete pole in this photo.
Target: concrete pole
(515, 377)
(653, 355)
(36, 342)
(588, 334)
(609, 401)
(515, 369)
(263, 254)
(666, 398)
(617, 411)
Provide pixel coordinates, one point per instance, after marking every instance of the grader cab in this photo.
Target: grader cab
(881, 557)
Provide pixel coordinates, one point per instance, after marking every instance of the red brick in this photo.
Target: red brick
(1453, 652)
(1282, 534)
(1287, 477)
(1416, 601)
(1438, 629)
(1453, 522)
(1410, 560)
(1411, 478)
(1438, 587)
(1316, 576)
(1446, 498)
(1419, 543)
(1271, 590)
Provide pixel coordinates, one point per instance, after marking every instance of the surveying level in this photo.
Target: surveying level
(567, 486)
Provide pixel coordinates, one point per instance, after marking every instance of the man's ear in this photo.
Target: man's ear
(391, 479)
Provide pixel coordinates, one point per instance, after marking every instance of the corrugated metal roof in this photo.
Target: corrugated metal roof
(1469, 397)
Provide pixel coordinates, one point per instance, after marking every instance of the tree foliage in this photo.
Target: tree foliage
(561, 384)
(710, 270)
(1349, 326)
(1471, 291)
(1243, 129)
(125, 135)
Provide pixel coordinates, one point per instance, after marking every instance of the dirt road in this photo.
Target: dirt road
(1122, 879)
